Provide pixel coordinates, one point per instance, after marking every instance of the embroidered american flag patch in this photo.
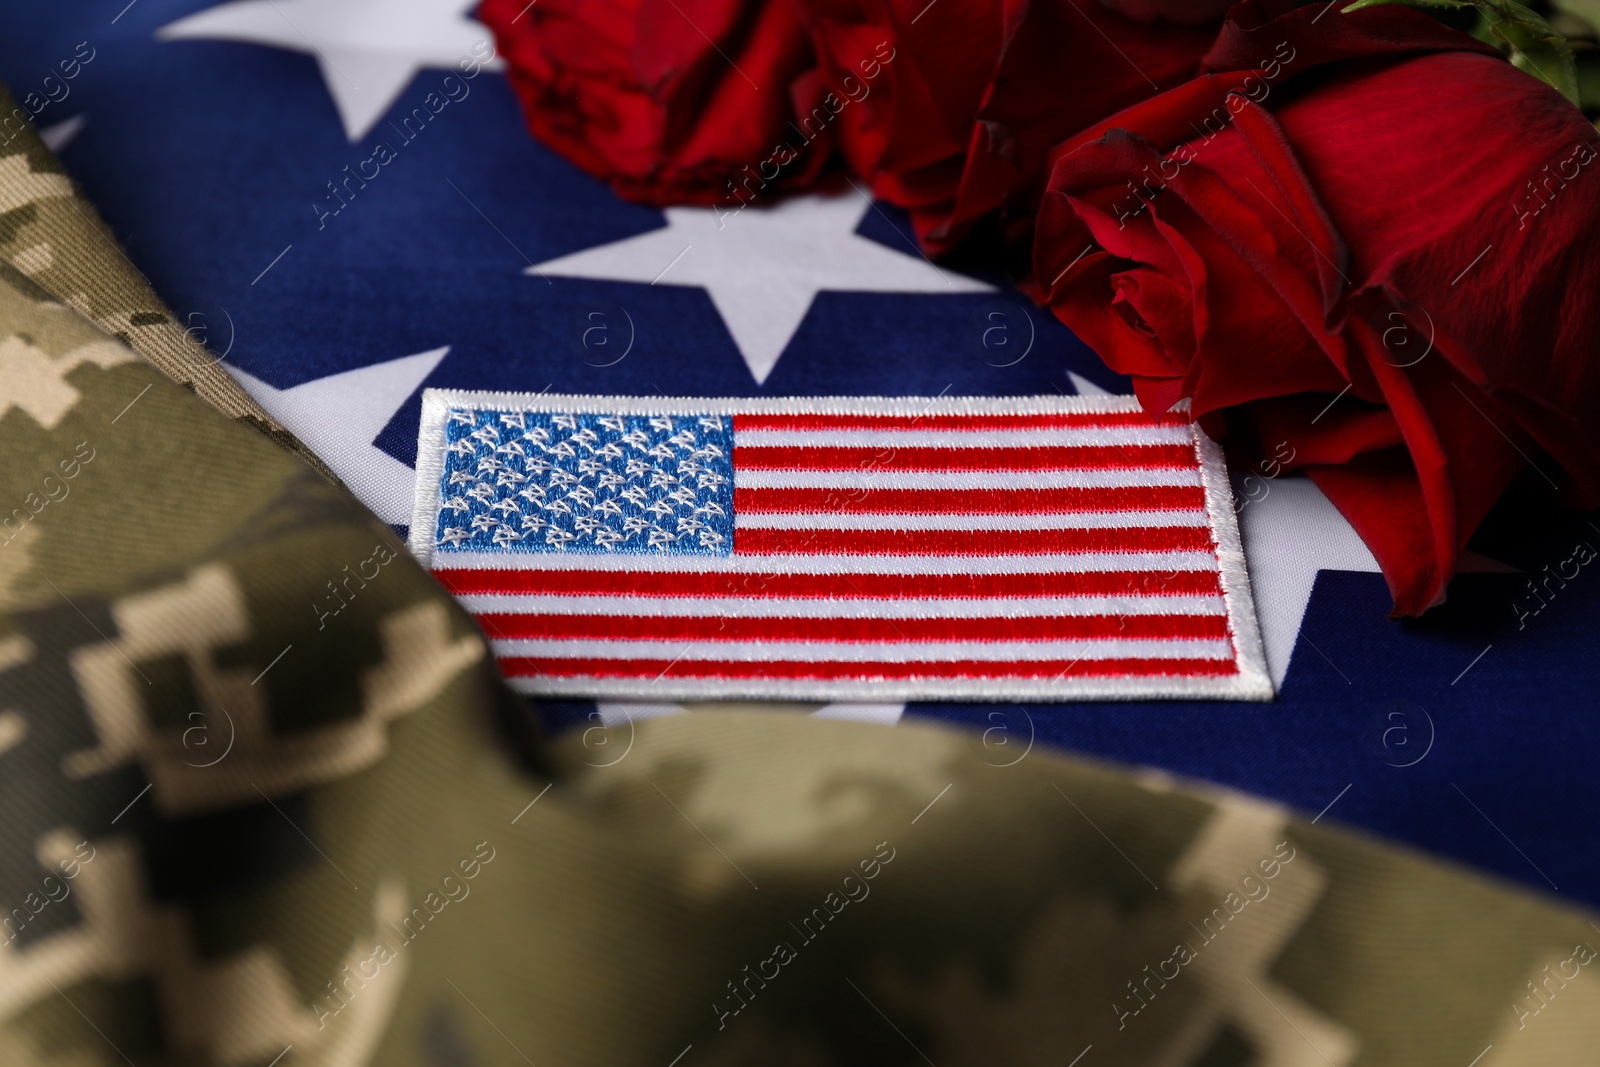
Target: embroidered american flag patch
(1038, 548)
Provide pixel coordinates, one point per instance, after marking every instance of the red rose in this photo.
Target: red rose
(931, 67)
(671, 101)
(1390, 266)
(958, 123)
(1182, 12)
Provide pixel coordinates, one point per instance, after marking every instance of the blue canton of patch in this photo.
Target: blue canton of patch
(535, 481)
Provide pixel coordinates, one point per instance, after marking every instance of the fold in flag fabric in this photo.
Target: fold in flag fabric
(839, 548)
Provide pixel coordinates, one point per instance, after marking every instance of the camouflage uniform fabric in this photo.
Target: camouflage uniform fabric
(54, 237)
(265, 802)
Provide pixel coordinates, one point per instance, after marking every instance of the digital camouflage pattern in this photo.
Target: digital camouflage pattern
(266, 802)
(54, 237)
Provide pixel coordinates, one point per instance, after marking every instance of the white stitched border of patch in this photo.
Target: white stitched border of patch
(1251, 683)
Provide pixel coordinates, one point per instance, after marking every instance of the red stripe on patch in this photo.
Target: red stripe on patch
(531, 666)
(830, 586)
(713, 628)
(762, 541)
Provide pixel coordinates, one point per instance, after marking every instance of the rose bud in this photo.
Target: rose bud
(1369, 241)
(960, 121)
(670, 101)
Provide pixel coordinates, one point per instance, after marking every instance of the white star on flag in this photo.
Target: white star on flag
(1290, 534)
(368, 50)
(339, 416)
(763, 266)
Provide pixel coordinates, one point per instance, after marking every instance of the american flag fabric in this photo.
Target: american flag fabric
(210, 159)
(1029, 548)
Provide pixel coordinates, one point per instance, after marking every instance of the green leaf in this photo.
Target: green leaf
(1518, 13)
(1361, 5)
(1536, 48)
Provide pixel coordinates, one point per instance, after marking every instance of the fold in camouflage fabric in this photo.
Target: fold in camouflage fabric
(265, 802)
(53, 236)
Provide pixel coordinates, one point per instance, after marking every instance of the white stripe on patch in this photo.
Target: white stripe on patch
(868, 651)
(865, 520)
(818, 608)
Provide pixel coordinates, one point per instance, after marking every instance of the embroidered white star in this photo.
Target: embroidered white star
(368, 50)
(527, 474)
(763, 266)
(339, 416)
